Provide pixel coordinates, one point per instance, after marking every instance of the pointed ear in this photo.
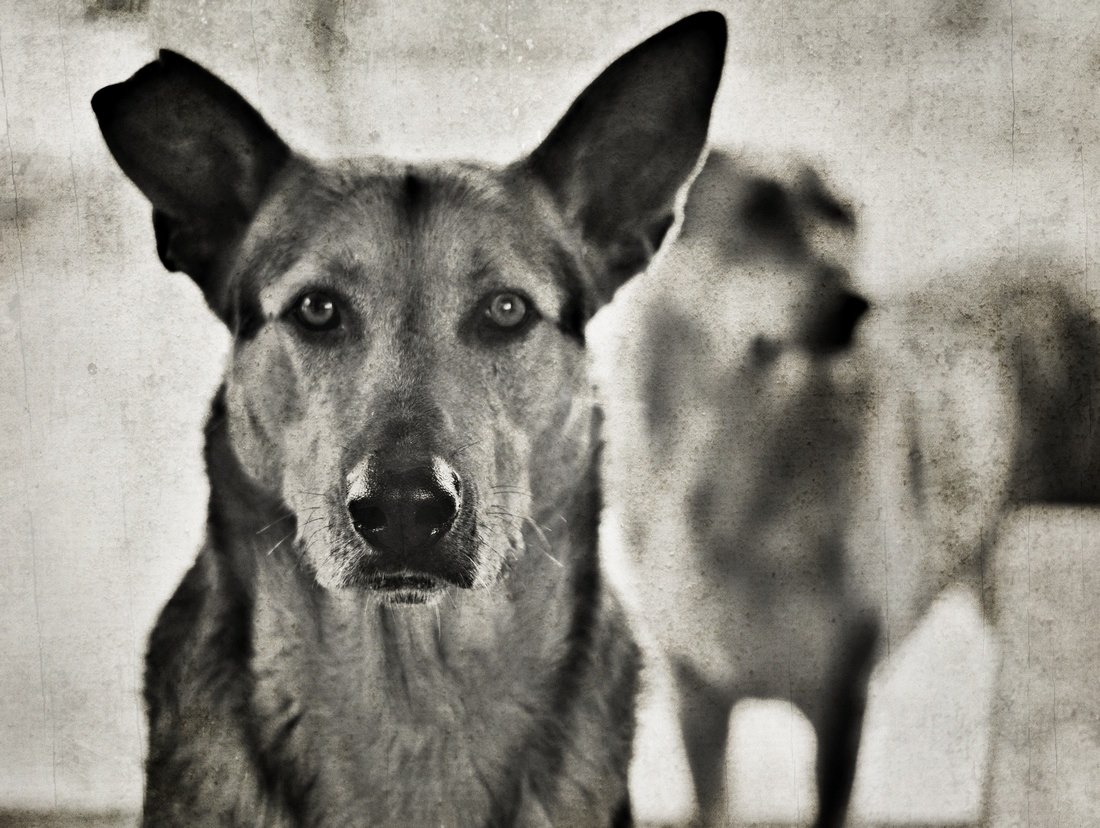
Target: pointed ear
(200, 154)
(618, 158)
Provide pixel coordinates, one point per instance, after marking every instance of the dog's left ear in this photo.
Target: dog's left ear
(617, 159)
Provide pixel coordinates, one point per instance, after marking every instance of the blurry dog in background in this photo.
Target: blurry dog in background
(813, 475)
(397, 617)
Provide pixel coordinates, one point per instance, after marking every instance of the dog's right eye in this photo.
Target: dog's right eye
(317, 311)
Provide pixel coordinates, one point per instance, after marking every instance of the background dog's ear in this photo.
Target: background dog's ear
(617, 159)
(199, 153)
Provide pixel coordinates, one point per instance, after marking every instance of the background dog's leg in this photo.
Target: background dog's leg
(623, 816)
(704, 722)
(839, 726)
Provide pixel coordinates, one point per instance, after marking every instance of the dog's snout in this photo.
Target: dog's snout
(409, 510)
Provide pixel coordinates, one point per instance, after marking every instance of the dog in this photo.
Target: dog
(815, 474)
(397, 616)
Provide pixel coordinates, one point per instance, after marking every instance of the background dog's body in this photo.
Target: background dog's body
(812, 481)
(398, 617)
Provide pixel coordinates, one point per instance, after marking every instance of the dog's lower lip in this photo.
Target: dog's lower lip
(403, 582)
(406, 588)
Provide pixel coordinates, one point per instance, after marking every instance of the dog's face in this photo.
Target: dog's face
(408, 370)
(420, 362)
(746, 390)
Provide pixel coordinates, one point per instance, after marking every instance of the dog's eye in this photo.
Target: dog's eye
(317, 312)
(507, 310)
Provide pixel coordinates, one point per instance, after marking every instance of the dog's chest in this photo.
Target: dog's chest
(411, 730)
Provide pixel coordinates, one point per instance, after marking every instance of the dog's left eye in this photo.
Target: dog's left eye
(317, 311)
(507, 310)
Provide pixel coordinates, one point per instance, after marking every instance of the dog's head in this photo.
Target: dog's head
(408, 371)
(747, 383)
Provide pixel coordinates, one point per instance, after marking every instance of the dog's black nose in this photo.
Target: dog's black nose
(407, 511)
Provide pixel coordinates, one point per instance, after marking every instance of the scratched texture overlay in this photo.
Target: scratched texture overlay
(961, 128)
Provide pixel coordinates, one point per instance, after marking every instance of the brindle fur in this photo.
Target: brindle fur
(285, 686)
(812, 481)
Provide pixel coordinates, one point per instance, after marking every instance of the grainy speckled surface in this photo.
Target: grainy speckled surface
(962, 128)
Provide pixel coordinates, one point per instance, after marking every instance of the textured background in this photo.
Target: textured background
(961, 128)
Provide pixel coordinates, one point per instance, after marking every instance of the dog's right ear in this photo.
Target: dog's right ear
(200, 154)
(618, 158)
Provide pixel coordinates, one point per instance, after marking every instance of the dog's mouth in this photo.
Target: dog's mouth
(406, 587)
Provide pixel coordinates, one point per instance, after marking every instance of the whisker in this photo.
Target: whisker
(509, 490)
(323, 495)
(538, 530)
(482, 541)
(280, 543)
(468, 445)
(277, 520)
(552, 558)
(308, 540)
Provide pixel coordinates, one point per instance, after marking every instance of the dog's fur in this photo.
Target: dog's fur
(306, 672)
(812, 481)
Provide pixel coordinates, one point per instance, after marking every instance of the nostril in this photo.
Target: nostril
(436, 514)
(367, 517)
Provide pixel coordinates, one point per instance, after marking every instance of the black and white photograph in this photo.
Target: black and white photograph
(488, 414)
